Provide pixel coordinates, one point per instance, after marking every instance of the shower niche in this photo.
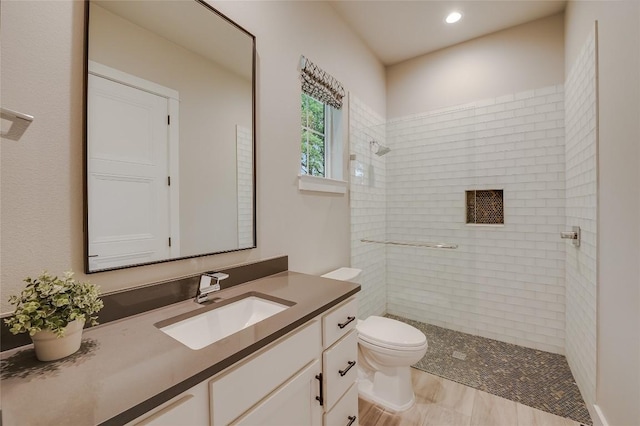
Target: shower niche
(485, 207)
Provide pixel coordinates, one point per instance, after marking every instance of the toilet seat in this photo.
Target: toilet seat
(390, 334)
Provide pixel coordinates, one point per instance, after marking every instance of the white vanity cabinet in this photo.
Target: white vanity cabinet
(277, 386)
(307, 377)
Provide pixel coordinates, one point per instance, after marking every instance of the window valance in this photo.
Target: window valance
(319, 84)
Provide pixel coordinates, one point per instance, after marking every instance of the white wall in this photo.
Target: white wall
(509, 61)
(42, 73)
(618, 306)
(41, 174)
(504, 282)
(368, 206)
(581, 209)
(312, 229)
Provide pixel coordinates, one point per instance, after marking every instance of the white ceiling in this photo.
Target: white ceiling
(397, 30)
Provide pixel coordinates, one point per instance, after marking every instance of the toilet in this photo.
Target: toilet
(386, 350)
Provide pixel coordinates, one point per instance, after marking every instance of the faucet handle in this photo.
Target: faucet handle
(219, 276)
(206, 287)
(205, 280)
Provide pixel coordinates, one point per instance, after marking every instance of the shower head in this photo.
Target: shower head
(380, 150)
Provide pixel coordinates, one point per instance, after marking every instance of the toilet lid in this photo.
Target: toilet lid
(389, 332)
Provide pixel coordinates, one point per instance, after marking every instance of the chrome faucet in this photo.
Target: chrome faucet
(206, 288)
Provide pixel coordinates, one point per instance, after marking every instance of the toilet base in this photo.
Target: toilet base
(392, 392)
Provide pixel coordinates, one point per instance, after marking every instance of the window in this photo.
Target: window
(321, 147)
(315, 123)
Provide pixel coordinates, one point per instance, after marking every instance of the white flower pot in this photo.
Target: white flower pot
(50, 347)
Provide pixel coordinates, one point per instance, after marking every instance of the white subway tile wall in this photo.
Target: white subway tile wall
(581, 185)
(244, 152)
(504, 282)
(368, 206)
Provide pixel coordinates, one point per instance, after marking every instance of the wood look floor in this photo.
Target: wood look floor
(441, 402)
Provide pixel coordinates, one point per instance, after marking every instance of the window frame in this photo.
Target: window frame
(334, 148)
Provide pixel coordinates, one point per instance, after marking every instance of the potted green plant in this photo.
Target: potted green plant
(53, 311)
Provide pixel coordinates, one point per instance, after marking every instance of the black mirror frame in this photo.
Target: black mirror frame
(85, 147)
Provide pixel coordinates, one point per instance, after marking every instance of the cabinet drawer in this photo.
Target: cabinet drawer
(339, 322)
(238, 390)
(345, 411)
(339, 368)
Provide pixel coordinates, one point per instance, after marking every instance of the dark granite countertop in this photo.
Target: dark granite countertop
(127, 367)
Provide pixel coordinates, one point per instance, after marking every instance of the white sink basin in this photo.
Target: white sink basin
(222, 320)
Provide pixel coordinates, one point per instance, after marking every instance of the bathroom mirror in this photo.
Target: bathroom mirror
(170, 133)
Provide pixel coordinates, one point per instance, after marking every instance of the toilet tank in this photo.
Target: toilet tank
(345, 274)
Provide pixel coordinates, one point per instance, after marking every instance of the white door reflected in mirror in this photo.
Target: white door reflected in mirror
(128, 168)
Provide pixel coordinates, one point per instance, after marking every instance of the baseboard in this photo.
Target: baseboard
(598, 419)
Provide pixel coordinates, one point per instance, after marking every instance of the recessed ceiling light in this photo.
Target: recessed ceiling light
(453, 17)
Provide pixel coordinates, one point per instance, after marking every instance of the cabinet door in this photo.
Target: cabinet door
(250, 382)
(294, 403)
(190, 408)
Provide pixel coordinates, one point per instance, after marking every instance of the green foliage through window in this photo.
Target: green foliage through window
(313, 136)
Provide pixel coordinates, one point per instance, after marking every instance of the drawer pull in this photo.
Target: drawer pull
(344, 324)
(351, 420)
(346, 370)
(319, 398)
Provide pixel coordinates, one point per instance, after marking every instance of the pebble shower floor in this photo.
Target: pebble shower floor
(531, 377)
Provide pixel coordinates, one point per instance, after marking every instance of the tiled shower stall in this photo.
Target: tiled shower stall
(516, 282)
(504, 281)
